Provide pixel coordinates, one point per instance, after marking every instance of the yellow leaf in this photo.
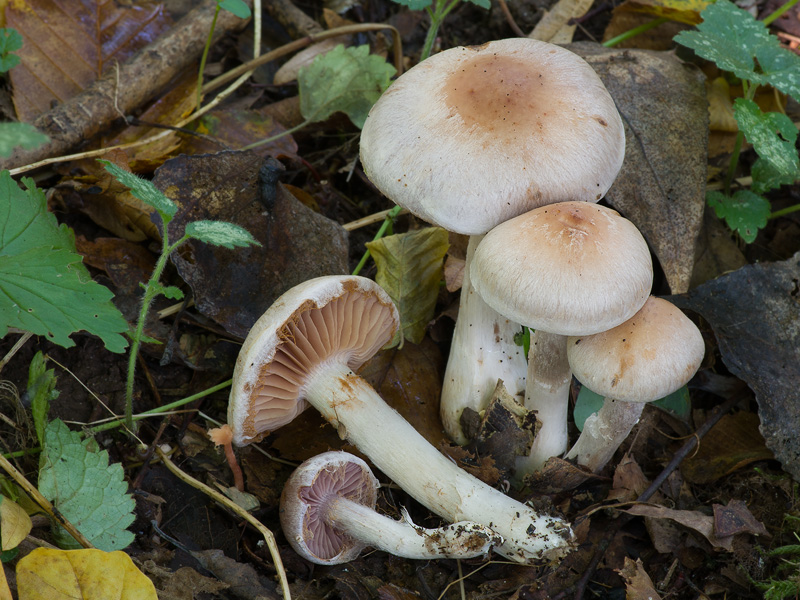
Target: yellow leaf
(720, 106)
(683, 11)
(15, 524)
(47, 574)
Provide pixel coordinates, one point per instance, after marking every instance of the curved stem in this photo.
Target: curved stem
(205, 56)
(396, 448)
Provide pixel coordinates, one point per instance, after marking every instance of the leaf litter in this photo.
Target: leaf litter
(667, 203)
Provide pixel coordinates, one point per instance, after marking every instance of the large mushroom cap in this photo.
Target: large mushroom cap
(473, 136)
(303, 501)
(570, 268)
(646, 358)
(335, 318)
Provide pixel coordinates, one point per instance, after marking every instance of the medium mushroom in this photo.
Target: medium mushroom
(304, 349)
(474, 136)
(328, 516)
(564, 269)
(649, 356)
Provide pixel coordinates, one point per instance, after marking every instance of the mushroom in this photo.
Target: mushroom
(328, 516)
(304, 349)
(564, 269)
(649, 356)
(474, 136)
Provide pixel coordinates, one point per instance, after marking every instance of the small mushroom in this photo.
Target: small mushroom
(649, 356)
(472, 137)
(564, 269)
(304, 349)
(328, 516)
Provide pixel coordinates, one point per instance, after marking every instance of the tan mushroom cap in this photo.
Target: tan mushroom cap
(344, 319)
(473, 136)
(571, 268)
(648, 357)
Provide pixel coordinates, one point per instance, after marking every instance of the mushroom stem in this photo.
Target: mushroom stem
(223, 436)
(352, 406)
(547, 392)
(404, 538)
(482, 351)
(604, 431)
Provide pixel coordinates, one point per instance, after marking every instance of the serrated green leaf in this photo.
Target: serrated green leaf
(41, 391)
(729, 37)
(780, 68)
(677, 403)
(766, 177)
(772, 135)
(144, 190)
(75, 476)
(410, 269)
(236, 7)
(415, 4)
(744, 212)
(20, 135)
(586, 404)
(10, 41)
(347, 80)
(44, 286)
(170, 291)
(220, 233)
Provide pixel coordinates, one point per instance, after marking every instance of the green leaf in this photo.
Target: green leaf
(44, 287)
(766, 177)
(236, 7)
(780, 68)
(772, 135)
(729, 37)
(144, 190)
(410, 269)
(587, 403)
(10, 41)
(744, 213)
(19, 135)
(482, 3)
(220, 233)
(415, 4)
(677, 403)
(347, 80)
(41, 391)
(76, 477)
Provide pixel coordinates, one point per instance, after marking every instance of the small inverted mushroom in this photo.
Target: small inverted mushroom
(654, 353)
(563, 269)
(305, 347)
(474, 136)
(328, 516)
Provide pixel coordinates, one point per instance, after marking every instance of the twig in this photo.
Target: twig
(229, 504)
(370, 219)
(510, 19)
(19, 344)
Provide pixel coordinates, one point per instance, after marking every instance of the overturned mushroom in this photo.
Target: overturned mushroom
(328, 516)
(304, 349)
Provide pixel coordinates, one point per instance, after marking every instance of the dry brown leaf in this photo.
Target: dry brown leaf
(126, 264)
(68, 46)
(638, 585)
(736, 518)
(629, 481)
(554, 26)
(288, 71)
(694, 520)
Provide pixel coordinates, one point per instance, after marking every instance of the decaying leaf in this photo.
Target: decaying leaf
(68, 46)
(47, 574)
(15, 524)
(638, 585)
(755, 315)
(661, 186)
(694, 520)
(410, 269)
(735, 518)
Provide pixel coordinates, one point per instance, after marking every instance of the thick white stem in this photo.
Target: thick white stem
(604, 431)
(547, 392)
(404, 538)
(482, 351)
(397, 449)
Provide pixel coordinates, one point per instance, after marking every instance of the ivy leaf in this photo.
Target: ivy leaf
(20, 135)
(744, 212)
(729, 37)
(10, 41)
(586, 404)
(44, 287)
(144, 190)
(677, 403)
(415, 4)
(75, 476)
(772, 135)
(347, 80)
(766, 177)
(220, 233)
(41, 391)
(236, 7)
(410, 269)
